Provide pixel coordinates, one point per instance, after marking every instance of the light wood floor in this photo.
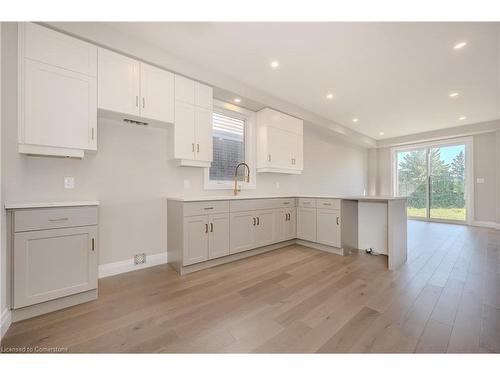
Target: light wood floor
(445, 299)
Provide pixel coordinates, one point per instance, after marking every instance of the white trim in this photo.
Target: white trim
(110, 269)
(250, 118)
(486, 224)
(5, 321)
(469, 172)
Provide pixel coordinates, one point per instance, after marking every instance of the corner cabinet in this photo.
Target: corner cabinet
(279, 142)
(192, 132)
(57, 95)
(130, 89)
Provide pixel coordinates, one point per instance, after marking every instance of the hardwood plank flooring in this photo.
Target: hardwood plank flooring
(296, 300)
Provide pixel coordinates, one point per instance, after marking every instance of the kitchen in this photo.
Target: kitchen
(124, 168)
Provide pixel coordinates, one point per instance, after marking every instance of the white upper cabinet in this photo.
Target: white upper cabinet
(57, 93)
(129, 87)
(157, 94)
(192, 138)
(279, 142)
(119, 83)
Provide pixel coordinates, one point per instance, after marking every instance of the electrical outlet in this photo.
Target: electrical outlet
(187, 184)
(480, 180)
(139, 258)
(277, 185)
(69, 182)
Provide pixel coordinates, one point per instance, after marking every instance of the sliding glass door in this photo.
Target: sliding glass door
(434, 178)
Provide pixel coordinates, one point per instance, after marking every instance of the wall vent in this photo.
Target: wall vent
(139, 258)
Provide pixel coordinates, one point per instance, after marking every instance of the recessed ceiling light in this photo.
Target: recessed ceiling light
(329, 96)
(462, 118)
(237, 100)
(275, 64)
(460, 45)
(355, 119)
(381, 133)
(453, 94)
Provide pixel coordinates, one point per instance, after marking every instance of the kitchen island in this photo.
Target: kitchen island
(210, 230)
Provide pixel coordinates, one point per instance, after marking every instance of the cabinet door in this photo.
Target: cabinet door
(57, 49)
(218, 239)
(306, 224)
(291, 224)
(328, 227)
(204, 142)
(195, 239)
(184, 90)
(242, 231)
(59, 107)
(118, 83)
(184, 132)
(275, 145)
(54, 263)
(296, 147)
(203, 96)
(265, 230)
(281, 221)
(157, 94)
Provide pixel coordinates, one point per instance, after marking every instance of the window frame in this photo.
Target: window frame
(249, 117)
(469, 173)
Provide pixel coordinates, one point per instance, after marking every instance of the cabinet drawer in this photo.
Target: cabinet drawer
(52, 218)
(333, 204)
(286, 202)
(307, 202)
(205, 208)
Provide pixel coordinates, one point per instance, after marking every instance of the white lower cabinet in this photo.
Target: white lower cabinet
(218, 237)
(195, 239)
(252, 229)
(54, 254)
(328, 227)
(199, 231)
(306, 223)
(205, 237)
(242, 231)
(286, 224)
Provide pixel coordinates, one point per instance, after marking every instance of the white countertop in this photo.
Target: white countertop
(239, 197)
(11, 206)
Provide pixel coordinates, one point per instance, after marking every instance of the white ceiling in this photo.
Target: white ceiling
(394, 77)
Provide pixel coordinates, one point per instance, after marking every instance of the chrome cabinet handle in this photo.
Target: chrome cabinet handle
(137, 100)
(211, 227)
(338, 220)
(143, 102)
(254, 221)
(197, 147)
(269, 157)
(327, 204)
(258, 221)
(208, 208)
(59, 219)
(93, 244)
(206, 228)
(192, 147)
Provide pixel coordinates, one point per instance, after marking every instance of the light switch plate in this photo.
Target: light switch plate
(480, 180)
(69, 182)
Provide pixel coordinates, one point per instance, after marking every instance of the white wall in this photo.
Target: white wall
(131, 176)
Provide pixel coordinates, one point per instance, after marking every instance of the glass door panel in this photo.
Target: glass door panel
(447, 182)
(412, 180)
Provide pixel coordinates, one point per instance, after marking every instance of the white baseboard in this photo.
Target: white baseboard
(110, 269)
(486, 224)
(5, 320)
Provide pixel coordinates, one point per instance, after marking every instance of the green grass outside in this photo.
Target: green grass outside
(438, 213)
